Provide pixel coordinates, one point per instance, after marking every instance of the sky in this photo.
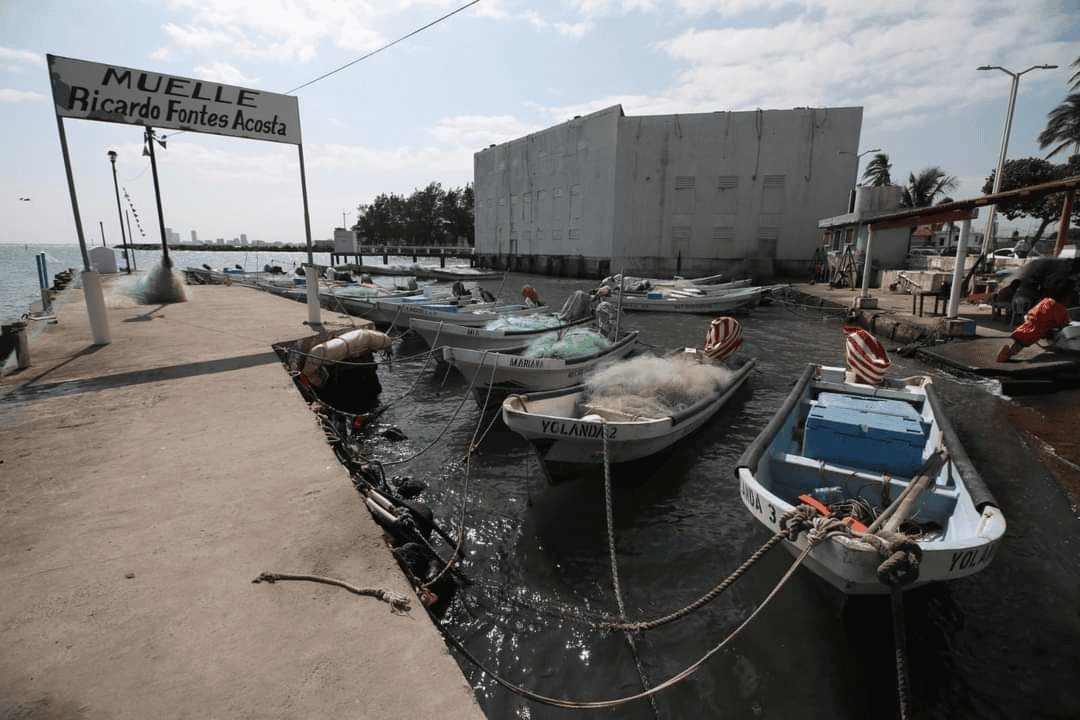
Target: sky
(416, 112)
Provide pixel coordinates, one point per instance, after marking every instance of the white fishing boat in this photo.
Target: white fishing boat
(713, 304)
(464, 311)
(677, 287)
(554, 360)
(568, 427)
(514, 332)
(880, 454)
(507, 331)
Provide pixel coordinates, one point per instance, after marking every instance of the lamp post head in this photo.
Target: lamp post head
(112, 156)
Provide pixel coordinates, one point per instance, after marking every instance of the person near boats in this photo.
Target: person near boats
(532, 299)
(1048, 315)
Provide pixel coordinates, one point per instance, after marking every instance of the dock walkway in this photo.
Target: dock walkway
(978, 333)
(144, 484)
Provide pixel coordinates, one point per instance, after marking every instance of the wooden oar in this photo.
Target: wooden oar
(898, 509)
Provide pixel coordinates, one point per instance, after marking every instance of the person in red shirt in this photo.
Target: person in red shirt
(1048, 314)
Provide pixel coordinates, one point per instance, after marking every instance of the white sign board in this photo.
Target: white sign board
(111, 93)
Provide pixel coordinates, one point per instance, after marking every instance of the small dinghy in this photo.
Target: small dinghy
(879, 454)
(631, 409)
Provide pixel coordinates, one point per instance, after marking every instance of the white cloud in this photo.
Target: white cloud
(223, 73)
(23, 56)
(11, 95)
(279, 30)
(894, 69)
(479, 131)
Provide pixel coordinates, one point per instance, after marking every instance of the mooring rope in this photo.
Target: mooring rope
(465, 488)
(453, 417)
(900, 650)
(670, 682)
(398, 602)
(610, 517)
(797, 519)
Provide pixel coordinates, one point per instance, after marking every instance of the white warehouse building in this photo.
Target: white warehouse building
(696, 194)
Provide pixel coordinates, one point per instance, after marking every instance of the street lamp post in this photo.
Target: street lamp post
(119, 212)
(858, 159)
(988, 233)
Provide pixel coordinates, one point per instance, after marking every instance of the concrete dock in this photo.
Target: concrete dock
(145, 483)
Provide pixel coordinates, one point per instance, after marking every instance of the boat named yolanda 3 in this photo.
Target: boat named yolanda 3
(631, 409)
(879, 454)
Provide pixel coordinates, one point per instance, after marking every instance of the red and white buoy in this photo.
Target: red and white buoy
(866, 358)
(723, 337)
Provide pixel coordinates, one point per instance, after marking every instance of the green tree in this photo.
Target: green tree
(923, 189)
(877, 170)
(431, 216)
(458, 215)
(1063, 122)
(1022, 173)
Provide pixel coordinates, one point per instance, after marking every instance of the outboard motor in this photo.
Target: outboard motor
(458, 289)
(576, 307)
(606, 315)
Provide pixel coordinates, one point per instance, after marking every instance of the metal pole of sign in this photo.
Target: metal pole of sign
(157, 195)
(91, 282)
(311, 278)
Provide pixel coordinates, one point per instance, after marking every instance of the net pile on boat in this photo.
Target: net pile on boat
(570, 343)
(523, 322)
(654, 387)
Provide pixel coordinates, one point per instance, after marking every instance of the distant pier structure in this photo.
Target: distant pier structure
(349, 247)
(693, 194)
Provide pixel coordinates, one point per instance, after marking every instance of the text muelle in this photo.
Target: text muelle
(178, 87)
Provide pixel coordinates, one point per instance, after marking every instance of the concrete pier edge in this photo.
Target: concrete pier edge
(145, 483)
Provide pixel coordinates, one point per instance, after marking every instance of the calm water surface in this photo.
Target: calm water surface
(1001, 644)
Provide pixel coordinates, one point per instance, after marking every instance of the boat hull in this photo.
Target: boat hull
(713, 304)
(509, 372)
(562, 437)
(961, 525)
(440, 333)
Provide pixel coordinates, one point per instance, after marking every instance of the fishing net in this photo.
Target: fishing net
(523, 322)
(160, 285)
(653, 386)
(571, 343)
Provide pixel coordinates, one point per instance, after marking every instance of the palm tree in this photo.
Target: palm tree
(1063, 122)
(1062, 127)
(924, 188)
(877, 171)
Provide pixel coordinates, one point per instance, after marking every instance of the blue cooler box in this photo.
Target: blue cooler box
(867, 433)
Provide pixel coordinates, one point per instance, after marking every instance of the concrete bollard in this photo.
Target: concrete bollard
(15, 337)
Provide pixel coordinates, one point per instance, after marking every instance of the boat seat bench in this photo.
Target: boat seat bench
(798, 474)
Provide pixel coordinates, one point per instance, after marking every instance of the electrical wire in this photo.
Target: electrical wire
(384, 47)
(365, 57)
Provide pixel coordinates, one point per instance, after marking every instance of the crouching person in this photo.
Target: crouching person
(1048, 315)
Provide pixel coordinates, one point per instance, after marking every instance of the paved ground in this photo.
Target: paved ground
(144, 484)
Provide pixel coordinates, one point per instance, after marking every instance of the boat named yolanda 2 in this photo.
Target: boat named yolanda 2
(879, 454)
(631, 409)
